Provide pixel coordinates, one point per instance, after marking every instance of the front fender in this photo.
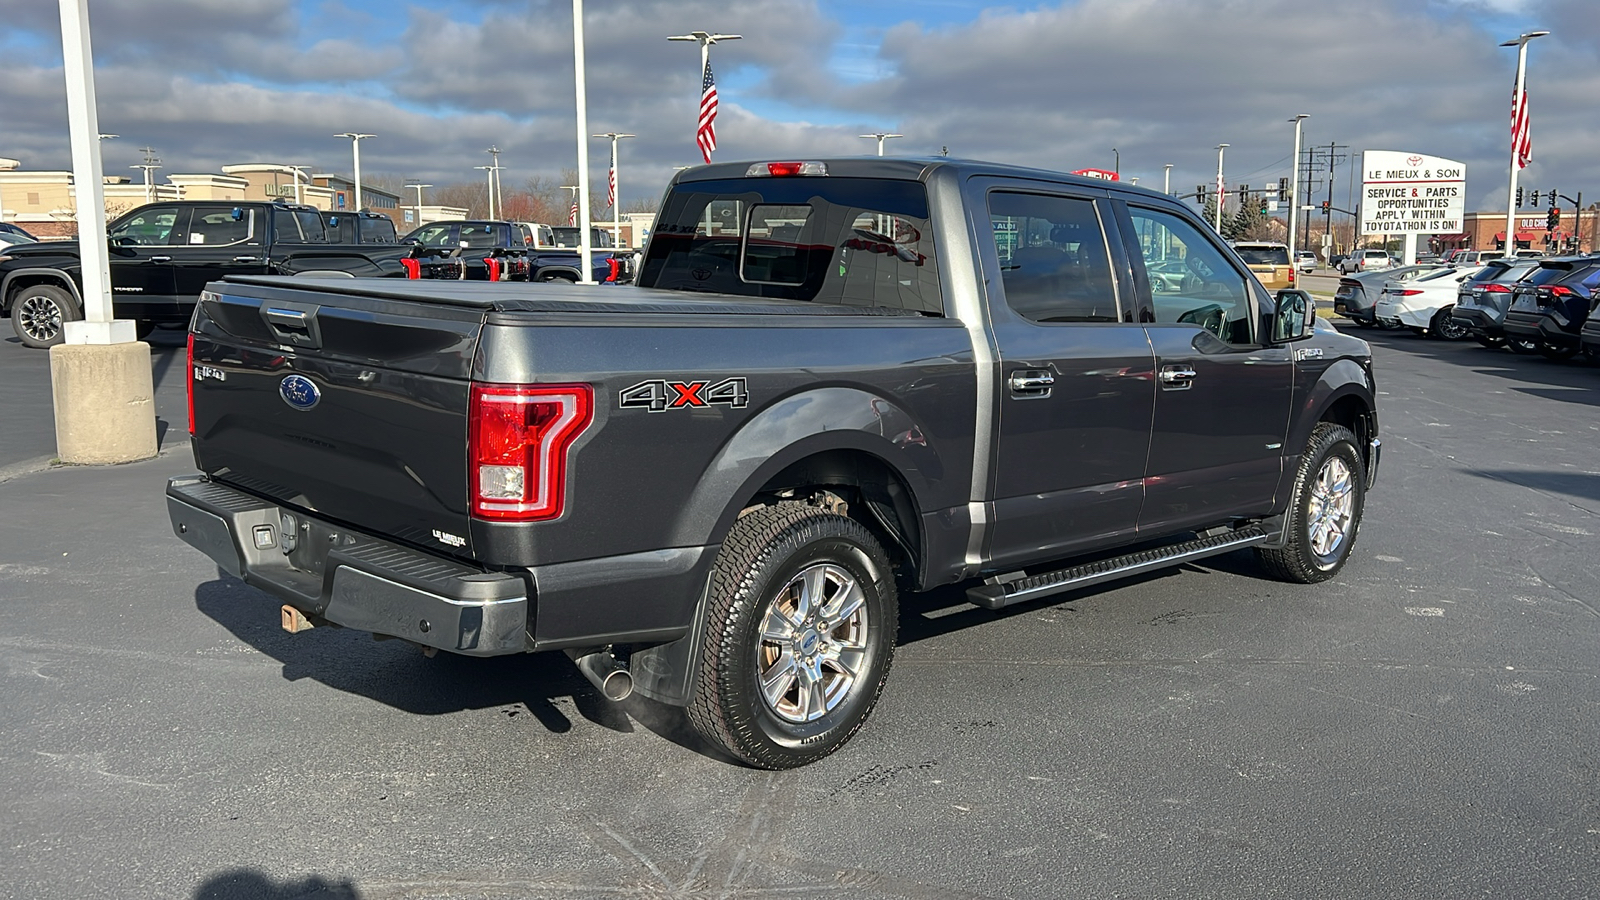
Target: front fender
(66, 278)
(1343, 378)
(798, 426)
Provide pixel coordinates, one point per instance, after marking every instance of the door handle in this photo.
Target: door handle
(246, 259)
(1177, 378)
(161, 259)
(1031, 383)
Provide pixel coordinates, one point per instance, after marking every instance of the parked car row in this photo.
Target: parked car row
(1545, 306)
(520, 251)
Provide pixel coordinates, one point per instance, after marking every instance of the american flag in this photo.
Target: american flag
(705, 133)
(572, 214)
(611, 183)
(1521, 139)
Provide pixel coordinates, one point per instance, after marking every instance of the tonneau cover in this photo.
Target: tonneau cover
(545, 297)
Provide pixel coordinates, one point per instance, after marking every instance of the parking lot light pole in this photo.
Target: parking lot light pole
(1166, 178)
(1521, 43)
(418, 207)
(1218, 223)
(585, 242)
(490, 170)
(1294, 191)
(880, 136)
(299, 192)
(496, 202)
(355, 150)
(1116, 167)
(100, 378)
(616, 187)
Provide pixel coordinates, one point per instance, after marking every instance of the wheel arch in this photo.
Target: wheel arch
(24, 278)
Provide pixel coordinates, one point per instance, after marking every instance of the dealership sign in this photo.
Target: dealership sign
(1408, 193)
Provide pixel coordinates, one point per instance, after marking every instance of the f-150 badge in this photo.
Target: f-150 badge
(660, 395)
(1305, 353)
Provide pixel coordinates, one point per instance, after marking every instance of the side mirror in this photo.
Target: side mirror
(1294, 317)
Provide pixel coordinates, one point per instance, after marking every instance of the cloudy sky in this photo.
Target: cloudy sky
(1055, 85)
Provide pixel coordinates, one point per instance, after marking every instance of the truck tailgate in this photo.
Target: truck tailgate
(354, 408)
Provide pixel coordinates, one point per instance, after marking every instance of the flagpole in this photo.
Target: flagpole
(1518, 102)
(706, 39)
(614, 181)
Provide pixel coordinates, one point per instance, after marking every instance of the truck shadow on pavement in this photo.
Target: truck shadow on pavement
(396, 673)
(248, 884)
(1576, 485)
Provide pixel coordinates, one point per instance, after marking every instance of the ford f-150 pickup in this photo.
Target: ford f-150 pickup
(835, 381)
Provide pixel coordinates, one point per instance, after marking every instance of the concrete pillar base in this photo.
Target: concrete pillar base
(104, 401)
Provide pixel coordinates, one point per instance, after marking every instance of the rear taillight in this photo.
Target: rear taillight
(1409, 293)
(785, 169)
(494, 267)
(1291, 275)
(518, 437)
(190, 379)
(413, 268)
(1560, 290)
(1496, 289)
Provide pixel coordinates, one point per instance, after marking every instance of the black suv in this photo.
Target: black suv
(1482, 300)
(1550, 306)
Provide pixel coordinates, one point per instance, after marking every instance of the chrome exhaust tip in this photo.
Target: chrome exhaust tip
(610, 678)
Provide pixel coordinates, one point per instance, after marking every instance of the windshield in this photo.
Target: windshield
(1264, 256)
(435, 237)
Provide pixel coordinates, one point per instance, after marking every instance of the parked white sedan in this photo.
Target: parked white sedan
(1423, 304)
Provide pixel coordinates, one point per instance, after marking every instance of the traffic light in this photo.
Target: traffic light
(1552, 219)
(1200, 194)
(1552, 197)
(1263, 204)
(1519, 197)
(1244, 195)
(1325, 205)
(1283, 190)
(1533, 198)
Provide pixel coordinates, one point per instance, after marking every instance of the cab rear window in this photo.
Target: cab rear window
(1264, 256)
(852, 241)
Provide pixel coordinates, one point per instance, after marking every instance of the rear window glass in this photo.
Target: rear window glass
(853, 241)
(1264, 256)
(479, 236)
(1547, 275)
(377, 230)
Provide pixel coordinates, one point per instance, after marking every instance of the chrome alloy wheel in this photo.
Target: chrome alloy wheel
(1332, 507)
(813, 643)
(40, 317)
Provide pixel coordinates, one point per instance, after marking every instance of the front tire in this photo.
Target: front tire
(39, 315)
(799, 634)
(1557, 352)
(1324, 510)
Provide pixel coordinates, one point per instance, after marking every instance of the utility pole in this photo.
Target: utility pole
(497, 202)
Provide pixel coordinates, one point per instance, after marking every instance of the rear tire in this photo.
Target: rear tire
(1494, 342)
(39, 314)
(1556, 351)
(798, 636)
(1446, 327)
(1324, 514)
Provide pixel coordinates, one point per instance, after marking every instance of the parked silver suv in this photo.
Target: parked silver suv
(1365, 261)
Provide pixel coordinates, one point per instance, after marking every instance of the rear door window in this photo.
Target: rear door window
(853, 241)
(156, 226)
(213, 226)
(1054, 262)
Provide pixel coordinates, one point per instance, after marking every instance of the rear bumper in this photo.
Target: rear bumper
(1523, 325)
(350, 578)
(1478, 319)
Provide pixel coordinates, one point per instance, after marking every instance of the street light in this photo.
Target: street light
(490, 170)
(1519, 101)
(1166, 178)
(1220, 148)
(1294, 191)
(705, 39)
(299, 173)
(355, 149)
(418, 207)
(881, 136)
(1116, 168)
(615, 187)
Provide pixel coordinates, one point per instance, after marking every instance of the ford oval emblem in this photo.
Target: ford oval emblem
(299, 392)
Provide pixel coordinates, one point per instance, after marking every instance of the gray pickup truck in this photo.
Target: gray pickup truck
(835, 381)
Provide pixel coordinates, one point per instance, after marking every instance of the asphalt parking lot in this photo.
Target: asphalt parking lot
(1422, 726)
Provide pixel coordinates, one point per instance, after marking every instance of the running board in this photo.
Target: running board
(1005, 590)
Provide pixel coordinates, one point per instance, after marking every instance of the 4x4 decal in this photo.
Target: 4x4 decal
(660, 395)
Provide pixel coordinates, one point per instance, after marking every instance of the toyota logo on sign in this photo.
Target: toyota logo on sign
(1414, 160)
